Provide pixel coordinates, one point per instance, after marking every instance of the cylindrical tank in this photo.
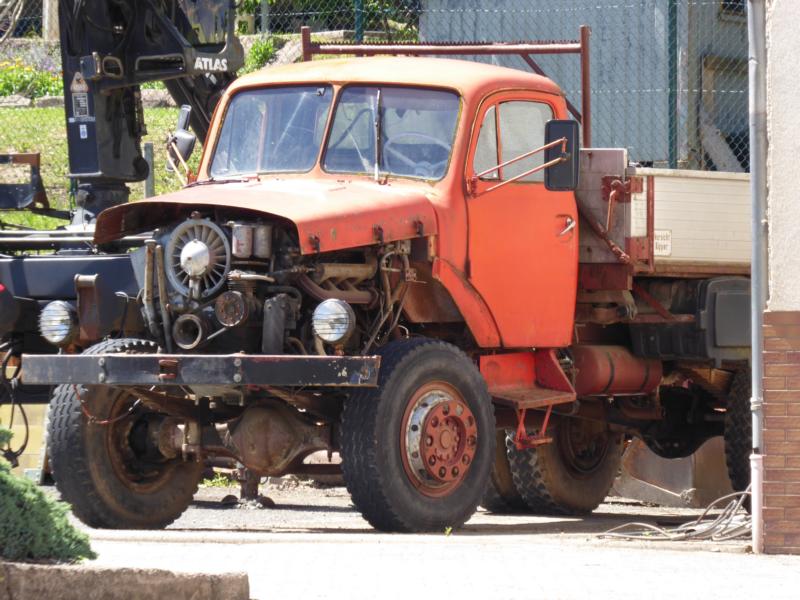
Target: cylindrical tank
(613, 371)
(262, 240)
(241, 240)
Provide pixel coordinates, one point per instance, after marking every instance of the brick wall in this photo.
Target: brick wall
(782, 432)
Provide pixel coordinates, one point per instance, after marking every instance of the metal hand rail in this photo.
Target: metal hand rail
(564, 156)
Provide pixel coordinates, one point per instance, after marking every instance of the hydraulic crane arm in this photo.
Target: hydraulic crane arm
(109, 48)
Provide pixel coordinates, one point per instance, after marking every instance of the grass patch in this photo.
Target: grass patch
(220, 480)
(43, 130)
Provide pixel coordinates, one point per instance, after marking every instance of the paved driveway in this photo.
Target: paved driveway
(314, 545)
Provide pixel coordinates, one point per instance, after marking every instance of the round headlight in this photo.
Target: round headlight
(334, 321)
(58, 323)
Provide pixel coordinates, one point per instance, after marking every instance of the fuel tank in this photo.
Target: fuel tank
(613, 371)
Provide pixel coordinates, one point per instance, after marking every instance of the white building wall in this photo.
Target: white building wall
(783, 159)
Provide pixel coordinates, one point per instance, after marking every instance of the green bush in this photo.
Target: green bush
(262, 52)
(32, 525)
(18, 78)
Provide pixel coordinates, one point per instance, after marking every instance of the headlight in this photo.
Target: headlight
(333, 321)
(58, 323)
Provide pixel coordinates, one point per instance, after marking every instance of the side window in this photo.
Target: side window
(486, 155)
(521, 129)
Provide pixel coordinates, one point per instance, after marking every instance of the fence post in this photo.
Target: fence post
(150, 182)
(264, 16)
(359, 24)
(672, 96)
(50, 20)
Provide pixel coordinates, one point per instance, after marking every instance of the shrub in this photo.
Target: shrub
(18, 78)
(32, 525)
(261, 53)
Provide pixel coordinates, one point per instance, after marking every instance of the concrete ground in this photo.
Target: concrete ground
(313, 544)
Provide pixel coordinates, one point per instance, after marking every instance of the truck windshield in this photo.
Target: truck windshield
(414, 129)
(272, 130)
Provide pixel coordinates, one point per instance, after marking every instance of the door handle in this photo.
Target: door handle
(570, 225)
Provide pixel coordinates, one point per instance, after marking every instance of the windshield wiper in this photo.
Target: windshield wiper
(213, 181)
(378, 135)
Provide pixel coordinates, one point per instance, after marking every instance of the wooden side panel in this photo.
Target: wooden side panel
(701, 218)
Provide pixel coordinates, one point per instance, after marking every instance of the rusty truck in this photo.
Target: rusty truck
(418, 262)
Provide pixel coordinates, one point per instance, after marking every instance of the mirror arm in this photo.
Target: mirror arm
(563, 158)
(174, 147)
(562, 141)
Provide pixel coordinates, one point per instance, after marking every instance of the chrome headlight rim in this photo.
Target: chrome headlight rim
(333, 321)
(58, 323)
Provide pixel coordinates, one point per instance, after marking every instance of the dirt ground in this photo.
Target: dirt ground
(313, 544)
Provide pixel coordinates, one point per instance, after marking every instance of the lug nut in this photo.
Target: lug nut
(442, 472)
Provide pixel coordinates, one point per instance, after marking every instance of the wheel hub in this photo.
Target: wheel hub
(585, 445)
(441, 438)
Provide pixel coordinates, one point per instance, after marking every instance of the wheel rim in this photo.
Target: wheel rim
(438, 439)
(131, 454)
(584, 445)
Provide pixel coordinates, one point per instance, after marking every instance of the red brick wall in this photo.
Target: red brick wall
(782, 432)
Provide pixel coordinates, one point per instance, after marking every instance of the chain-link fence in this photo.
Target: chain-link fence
(669, 77)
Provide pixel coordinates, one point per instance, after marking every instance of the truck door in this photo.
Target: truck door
(523, 239)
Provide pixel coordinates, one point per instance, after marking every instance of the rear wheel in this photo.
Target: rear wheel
(571, 475)
(501, 495)
(417, 450)
(113, 474)
(739, 430)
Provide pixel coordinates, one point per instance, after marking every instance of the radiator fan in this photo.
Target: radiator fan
(198, 258)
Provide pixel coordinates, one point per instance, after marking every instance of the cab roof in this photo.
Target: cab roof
(466, 76)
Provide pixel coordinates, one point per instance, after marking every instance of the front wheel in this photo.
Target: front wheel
(110, 471)
(417, 450)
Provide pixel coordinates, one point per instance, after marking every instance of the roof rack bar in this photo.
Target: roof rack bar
(521, 49)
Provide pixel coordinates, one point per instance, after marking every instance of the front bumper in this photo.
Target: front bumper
(201, 369)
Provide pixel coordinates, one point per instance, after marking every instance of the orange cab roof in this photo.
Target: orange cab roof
(468, 77)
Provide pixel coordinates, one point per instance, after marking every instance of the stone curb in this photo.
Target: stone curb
(24, 581)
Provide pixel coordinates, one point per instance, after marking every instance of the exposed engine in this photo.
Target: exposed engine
(243, 286)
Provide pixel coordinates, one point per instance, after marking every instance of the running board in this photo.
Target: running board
(526, 380)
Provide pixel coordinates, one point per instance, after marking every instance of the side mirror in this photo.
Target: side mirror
(563, 176)
(182, 140)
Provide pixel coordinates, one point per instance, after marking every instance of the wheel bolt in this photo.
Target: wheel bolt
(432, 460)
(470, 421)
(429, 440)
(455, 471)
(435, 422)
(446, 409)
(442, 472)
(465, 459)
(471, 441)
